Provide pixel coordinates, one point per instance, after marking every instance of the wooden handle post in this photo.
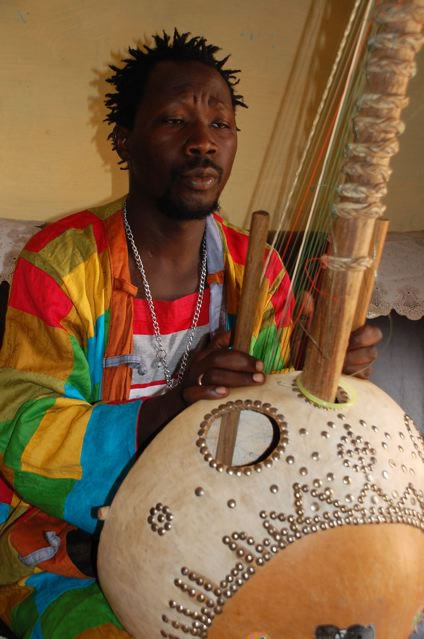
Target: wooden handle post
(332, 322)
(244, 325)
(368, 281)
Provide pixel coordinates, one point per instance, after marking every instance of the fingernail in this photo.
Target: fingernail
(221, 390)
(259, 365)
(258, 377)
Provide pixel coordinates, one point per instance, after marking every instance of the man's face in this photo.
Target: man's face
(181, 148)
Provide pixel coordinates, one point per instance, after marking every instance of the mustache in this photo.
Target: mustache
(197, 162)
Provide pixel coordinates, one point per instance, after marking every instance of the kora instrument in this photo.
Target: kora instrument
(326, 529)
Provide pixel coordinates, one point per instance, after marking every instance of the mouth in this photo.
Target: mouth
(200, 179)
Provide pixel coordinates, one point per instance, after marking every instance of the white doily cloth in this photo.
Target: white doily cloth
(400, 278)
(14, 234)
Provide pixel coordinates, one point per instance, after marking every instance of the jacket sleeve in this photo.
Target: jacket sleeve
(61, 449)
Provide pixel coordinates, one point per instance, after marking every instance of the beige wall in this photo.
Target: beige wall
(405, 202)
(53, 64)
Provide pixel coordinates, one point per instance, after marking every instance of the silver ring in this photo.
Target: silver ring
(199, 379)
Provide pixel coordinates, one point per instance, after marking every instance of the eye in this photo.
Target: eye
(173, 121)
(220, 124)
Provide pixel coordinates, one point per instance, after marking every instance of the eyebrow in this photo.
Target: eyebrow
(212, 102)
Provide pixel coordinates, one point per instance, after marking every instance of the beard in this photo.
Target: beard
(175, 207)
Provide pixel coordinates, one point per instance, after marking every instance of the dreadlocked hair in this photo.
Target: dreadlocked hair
(130, 81)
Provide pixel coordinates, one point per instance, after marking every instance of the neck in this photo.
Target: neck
(170, 251)
(156, 234)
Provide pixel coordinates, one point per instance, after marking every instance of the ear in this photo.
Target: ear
(120, 142)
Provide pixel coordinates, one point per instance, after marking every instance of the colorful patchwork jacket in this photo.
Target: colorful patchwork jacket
(67, 428)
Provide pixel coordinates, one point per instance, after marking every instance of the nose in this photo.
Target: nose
(200, 140)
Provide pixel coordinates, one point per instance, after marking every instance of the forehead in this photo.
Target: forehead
(172, 81)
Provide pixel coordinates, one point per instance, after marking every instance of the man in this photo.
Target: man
(92, 368)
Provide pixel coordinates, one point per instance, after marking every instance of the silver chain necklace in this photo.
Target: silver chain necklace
(160, 351)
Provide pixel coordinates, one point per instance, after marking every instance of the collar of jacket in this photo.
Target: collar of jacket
(119, 359)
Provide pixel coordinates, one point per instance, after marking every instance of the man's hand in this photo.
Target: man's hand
(215, 369)
(361, 351)
(211, 372)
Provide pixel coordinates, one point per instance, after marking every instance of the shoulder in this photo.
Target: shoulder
(235, 238)
(65, 262)
(83, 232)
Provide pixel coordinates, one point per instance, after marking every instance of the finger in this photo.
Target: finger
(306, 306)
(221, 339)
(361, 357)
(365, 336)
(232, 361)
(359, 362)
(193, 394)
(217, 377)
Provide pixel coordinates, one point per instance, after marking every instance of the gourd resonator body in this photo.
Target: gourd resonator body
(320, 521)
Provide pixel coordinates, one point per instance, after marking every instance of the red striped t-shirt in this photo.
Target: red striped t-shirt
(175, 318)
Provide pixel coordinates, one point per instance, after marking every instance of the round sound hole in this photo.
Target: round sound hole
(261, 436)
(257, 436)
